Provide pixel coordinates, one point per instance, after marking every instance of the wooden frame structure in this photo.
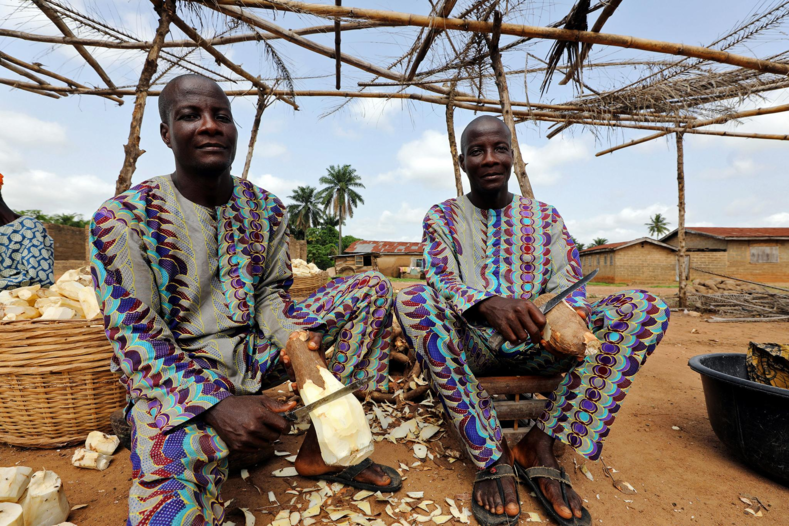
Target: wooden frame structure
(461, 42)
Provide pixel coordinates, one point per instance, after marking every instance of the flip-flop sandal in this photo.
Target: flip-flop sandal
(348, 475)
(483, 516)
(527, 475)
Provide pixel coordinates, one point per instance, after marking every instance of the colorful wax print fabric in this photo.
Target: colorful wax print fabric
(521, 251)
(196, 306)
(27, 256)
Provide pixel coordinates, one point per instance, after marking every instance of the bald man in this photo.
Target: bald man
(193, 272)
(488, 255)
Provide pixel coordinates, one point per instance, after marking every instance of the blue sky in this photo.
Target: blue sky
(64, 155)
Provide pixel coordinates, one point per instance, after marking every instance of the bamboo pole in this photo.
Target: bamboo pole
(506, 108)
(166, 11)
(608, 11)
(337, 49)
(453, 148)
(19, 71)
(683, 282)
(549, 33)
(443, 11)
(26, 86)
(716, 120)
(39, 69)
(262, 103)
(61, 25)
(238, 70)
(146, 45)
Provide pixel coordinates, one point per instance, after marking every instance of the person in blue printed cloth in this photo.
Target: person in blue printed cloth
(26, 250)
(192, 271)
(487, 255)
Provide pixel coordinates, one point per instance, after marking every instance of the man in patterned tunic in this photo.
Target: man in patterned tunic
(488, 254)
(193, 271)
(26, 250)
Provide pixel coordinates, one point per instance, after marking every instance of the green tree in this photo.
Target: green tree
(304, 211)
(339, 194)
(348, 241)
(580, 246)
(321, 245)
(657, 226)
(74, 220)
(330, 220)
(596, 242)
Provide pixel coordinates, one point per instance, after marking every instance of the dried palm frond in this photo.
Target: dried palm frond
(577, 20)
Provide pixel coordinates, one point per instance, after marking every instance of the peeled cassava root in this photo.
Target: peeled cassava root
(45, 502)
(90, 459)
(102, 443)
(72, 297)
(566, 331)
(11, 514)
(343, 432)
(13, 483)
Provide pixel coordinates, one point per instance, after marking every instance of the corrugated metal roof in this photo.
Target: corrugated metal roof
(607, 246)
(623, 244)
(386, 247)
(740, 232)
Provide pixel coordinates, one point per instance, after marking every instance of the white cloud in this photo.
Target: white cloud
(390, 226)
(271, 149)
(738, 167)
(54, 194)
(778, 220)
(544, 163)
(20, 129)
(282, 188)
(376, 113)
(624, 225)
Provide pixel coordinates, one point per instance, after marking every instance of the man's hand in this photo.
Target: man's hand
(516, 320)
(249, 423)
(313, 344)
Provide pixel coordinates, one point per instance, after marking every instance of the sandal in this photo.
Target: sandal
(348, 475)
(529, 474)
(483, 516)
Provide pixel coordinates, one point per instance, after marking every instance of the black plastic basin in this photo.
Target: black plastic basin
(752, 419)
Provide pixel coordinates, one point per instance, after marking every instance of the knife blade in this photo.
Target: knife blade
(497, 340)
(302, 412)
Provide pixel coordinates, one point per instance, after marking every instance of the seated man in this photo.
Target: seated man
(193, 271)
(26, 253)
(487, 255)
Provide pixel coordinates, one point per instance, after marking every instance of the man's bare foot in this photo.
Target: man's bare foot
(309, 463)
(487, 495)
(536, 449)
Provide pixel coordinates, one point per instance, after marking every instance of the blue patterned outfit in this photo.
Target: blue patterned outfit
(520, 251)
(26, 254)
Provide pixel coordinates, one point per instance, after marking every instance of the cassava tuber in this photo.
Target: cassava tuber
(13, 482)
(90, 460)
(102, 443)
(11, 514)
(566, 331)
(343, 433)
(45, 502)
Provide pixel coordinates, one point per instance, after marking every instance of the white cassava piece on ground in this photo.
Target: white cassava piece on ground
(45, 502)
(90, 460)
(102, 443)
(13, 483)
(341, 426)
(11, 514)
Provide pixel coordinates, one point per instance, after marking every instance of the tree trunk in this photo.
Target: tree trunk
(339, 241)
(453, 148)
(132, 148)
(683, 284)
(254, 137)
(519, 167)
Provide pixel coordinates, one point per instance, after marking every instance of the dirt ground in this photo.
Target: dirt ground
(682, 477)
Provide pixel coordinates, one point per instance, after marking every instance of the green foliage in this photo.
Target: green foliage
(657, 226)
(580, 246)
(304, 212)
(321, 243)
(348, 241)
(339, 196)
(75, 220)
(596, 242)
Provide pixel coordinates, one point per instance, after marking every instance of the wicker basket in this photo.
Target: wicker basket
(55, 382)
(304, 286)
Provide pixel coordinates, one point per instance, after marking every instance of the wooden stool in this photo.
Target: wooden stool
(518, 409)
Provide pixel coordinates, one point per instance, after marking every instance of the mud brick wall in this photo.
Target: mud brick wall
(71, 243)
(298, 249)
(739, 262)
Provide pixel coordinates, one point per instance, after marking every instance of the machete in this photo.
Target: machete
(302, 412)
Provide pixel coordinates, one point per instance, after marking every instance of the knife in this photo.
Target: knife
(497, 340)
(302, 412)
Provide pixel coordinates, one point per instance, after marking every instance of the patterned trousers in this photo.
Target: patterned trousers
(581, 410)
(177, 477)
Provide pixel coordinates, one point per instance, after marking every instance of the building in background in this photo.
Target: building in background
(393, 259)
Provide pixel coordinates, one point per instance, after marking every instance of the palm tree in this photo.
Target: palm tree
(596, 242)
(330, 220)
(304, 212)
(339, 194)
(657, 225)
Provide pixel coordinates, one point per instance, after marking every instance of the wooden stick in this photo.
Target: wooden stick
(262, 103)
(61, 25)
(698, 124)
(8, 65)
(166, 11)
(39, 69)
(740, 279)
(478, 26)
(337, 49)
(26, 86)
(519, 166)
(146, 45)
(683, 282)
(608, 11)
(453, 148)
(748, 320)
(443, 11)
(211, 50)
